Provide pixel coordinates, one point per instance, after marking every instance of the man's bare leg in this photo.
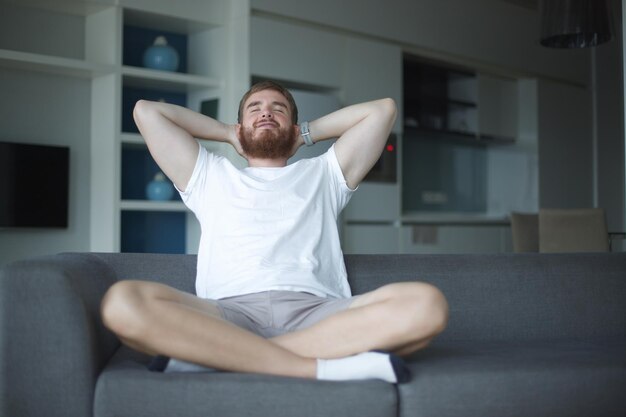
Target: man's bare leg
(151, 318)
(154, 318)
(399, 318)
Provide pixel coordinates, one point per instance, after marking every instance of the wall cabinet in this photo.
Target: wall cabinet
(458, 104)
(296, 53)
(452, 118)
(372, 70)
(498, 107)
(439, 99)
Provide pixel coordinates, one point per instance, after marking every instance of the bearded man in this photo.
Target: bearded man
(272, 294)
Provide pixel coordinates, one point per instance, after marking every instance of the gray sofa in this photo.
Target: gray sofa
(529, 335)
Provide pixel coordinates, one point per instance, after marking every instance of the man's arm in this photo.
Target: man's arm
(363, 130)
(169, 132)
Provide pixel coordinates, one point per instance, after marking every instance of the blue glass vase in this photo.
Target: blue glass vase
(159, 189)
(161, 56)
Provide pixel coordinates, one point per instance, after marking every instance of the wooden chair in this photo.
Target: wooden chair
(573, 230)
(525, 232)
(560, 230)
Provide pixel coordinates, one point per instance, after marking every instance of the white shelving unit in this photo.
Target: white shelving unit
(51, 64)
(143, 205)
(132, 139)
(86, 39)
(148, 78)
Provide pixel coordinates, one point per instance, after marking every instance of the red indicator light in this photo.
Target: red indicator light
(390, 148)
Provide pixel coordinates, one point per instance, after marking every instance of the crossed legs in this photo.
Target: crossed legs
(157, 319)
(399, 318)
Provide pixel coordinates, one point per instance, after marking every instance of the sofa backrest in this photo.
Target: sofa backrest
(178, 271)
(492, 297)
(498, 297)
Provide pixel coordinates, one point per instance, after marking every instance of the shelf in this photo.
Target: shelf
(468, 138)
(52, 64)
(461, 103)
(166, 81)
(453, 219)
(147, 205)
(132, 139)
(437, 219)
(212, 14)
(428, 98)
(79, 8)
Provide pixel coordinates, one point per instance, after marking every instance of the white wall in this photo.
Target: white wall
(487, 32)
(34, 109)
(60, 35)
(609, 132)
(565, 146)
(513, 169)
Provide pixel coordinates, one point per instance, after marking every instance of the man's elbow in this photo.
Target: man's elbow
(388, 106)
(142, 110)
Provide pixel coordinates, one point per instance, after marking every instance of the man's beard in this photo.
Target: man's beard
(269, 143)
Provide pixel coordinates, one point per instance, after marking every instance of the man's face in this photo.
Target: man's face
(266, 128)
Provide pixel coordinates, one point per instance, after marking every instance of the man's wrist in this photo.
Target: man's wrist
(306, 134)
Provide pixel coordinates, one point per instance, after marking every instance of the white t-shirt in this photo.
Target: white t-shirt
(268, 228)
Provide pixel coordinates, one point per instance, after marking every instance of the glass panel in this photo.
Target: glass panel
(443, 176)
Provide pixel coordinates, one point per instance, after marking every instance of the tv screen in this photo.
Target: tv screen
(34, 183)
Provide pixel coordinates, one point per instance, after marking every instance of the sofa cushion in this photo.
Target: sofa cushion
(565, 378)
(127, 388)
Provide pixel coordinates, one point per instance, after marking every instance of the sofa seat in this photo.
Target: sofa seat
(564, 378)
(126, 388)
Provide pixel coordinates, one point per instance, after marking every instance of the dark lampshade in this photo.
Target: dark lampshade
(574, 23)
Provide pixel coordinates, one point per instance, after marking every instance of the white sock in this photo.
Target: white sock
(368, 365)
(177, 365)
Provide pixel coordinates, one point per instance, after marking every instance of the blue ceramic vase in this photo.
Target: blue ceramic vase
(161, 56)
(159, 189)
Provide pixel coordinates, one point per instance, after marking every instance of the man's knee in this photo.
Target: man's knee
(120, 307)
(437, 308)
(423, 308)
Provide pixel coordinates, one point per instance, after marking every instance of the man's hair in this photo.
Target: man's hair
(270, 85)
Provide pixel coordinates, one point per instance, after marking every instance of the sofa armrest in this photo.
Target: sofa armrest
(53, 344)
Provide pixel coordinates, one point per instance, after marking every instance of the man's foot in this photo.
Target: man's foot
(158, 363)
(368, 365)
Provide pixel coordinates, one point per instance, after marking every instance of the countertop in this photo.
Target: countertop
(439, 219)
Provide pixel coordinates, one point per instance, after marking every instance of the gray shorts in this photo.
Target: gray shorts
(272, 313)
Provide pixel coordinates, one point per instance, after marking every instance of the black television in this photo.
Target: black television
(34, 185)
